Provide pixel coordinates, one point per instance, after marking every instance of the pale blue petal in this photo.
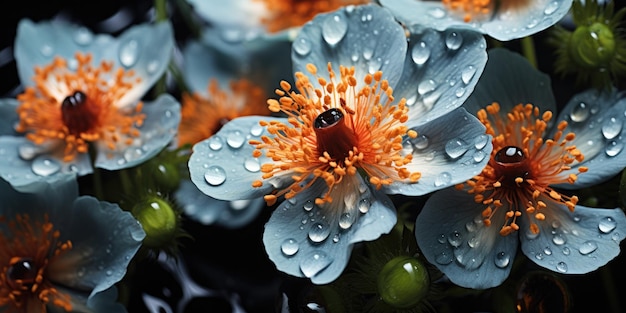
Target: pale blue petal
(574, 243)
(597, 120)
(203, 62)
(509, 80)
(504, 26)
(440, 72)
(366, 37)
(146, 49)
(304, 241)
(26, 165)
(104, 240)
(8, 117)
(447, 151)
(48, 197)
(157, 131)
(209, 211)
(452, 236)
(222, 166)
(243, 15)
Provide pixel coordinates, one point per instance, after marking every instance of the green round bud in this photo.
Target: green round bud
(592, 46)
(158, 219)
(403, 282)
(165, 174)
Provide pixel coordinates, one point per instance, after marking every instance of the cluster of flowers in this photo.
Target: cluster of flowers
(379, 98)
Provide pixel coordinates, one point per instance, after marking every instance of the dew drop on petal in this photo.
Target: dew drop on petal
(129, 52)
(346, 220)
(443, 258)
(235, 140)
(580, 112)
(455, 148)
(454, 40)
(334, 29)
(426, 86)
(215, 143)
(611, 128)
(607, 225)
(588, 247)
(481, 141)
(44, 166)
(252, 165)
(502, 259)
(289, 247)
(364, 205)
(302, 46)
(479, 156)
(215, 175)
(454, 239)
(256, 130)
(83, 36)
(308, 205)
(551, 8)
(152, 66)
(561, 267)
(558, 239)
(319, 232)
(46, 50)
(444, 178)
(441, 238)
(613, 148)
(315, 262)
(437, 13)
(566, 251)
(27, 151)
(467, 74)
(420, 53)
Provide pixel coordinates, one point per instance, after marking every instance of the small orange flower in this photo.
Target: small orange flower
(79, 106)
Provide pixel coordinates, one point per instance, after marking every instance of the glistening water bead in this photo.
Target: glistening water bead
(76, 113)
(21, 272)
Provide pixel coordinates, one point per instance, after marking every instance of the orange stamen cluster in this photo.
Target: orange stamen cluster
(521, 184)
(371, 134)
(40, 109)
(204, 116)
(291, 13)
(478, 9)
(37, 242)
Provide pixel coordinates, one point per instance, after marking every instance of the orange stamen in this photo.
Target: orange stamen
(521, 180)
(40, 109)
(371, 133)
(32, 243)
(471, 10)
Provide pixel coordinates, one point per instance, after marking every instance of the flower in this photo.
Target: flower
(471, 233)
(363, 121)
(503, 20)
(82, 92)
(595, 49)
(61, 251)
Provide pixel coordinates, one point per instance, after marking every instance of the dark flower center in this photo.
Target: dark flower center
(510, 164)
(21, 272)
(78, 116)
(333, 136)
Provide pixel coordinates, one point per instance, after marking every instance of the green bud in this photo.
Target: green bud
(403, 282)
(592, 46)
(159, 221)
(165, 174)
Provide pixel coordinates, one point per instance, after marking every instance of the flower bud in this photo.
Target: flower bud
(159, 221)
(403, 282)
(592, 46)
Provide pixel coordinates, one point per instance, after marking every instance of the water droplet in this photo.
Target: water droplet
(532, 23)
(580, 112)
(551, 8)
(346, 220)
(215, 175)
(426, 86)
(467, 74)
(319, 232)
(547, 251)
(613, 148)
(502, 259)
(454, 239)
(374, 65)
(420, 53)
(453, 40)
(437, 13)
(588, 247)
(152, 66)
(46, 50)
(566, 251)
(479, 156)
(473, 242)
(83, 36)
(302, 46)
(421, 142)
(44, 166)
(607, 225)
(132, 154)
(129, 53)
(235, 140)
(315, 262)
(611, 128)
(308, 205)
(252, 165)
(443, 179)
(443, 258)
(109, 272)
(256, 130)
(470, 226)
(215, 143)
(289, 247)
(27, 151)
(455, 148)
(442, 238)
(559, 239)
(366, 18)
(334, 29)
(561, 267)
(364, 205)
(459, 92)
(530, 235)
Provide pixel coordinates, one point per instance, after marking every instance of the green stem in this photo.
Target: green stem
(609, 289)
(528, 48)
(126, 182)
(188, 16)
(178, 77)
(161, 10)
